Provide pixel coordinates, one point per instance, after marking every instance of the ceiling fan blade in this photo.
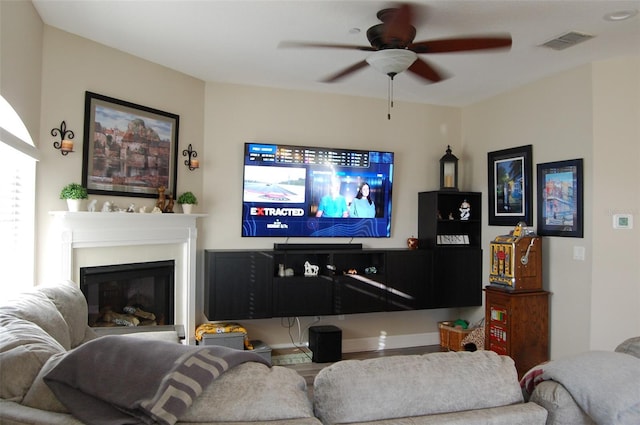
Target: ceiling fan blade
(424, 70)
(398, 30)
(353, 68)
(287, 44)
(461, 44)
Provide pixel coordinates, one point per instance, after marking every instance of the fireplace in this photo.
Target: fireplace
(100, 239)
(135, 294)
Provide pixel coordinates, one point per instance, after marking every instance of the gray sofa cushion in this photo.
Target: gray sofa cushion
(408, 386)
(40, 396)
(605, 384)
(562, 408)
(516, 414)
(630, 346)
(24, 349)
(264, 394)
(72, 305)
(37, 308)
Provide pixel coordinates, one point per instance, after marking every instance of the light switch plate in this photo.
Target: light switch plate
(623, 221)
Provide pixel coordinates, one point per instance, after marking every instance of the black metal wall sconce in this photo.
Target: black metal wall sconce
(191, 162)
(65, 144)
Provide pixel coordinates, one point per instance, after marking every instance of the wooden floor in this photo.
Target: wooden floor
(310, 370)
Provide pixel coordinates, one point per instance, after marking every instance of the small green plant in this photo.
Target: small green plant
(73, 191)
(187, 198)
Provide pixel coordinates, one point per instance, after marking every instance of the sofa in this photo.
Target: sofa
(595, 387)
(46, 345)
(42, 330)
(443, 388)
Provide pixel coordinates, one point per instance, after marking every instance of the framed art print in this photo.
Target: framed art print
(560, 203)
(129, 149)
(510, 186)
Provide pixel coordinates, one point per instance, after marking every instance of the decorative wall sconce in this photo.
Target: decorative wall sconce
(449, 171)
(65, 144)
(191, 162)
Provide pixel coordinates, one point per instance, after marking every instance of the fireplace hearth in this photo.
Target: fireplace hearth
(131, 295)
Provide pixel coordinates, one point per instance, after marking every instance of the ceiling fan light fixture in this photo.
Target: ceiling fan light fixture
(392, 61)
(620, 15)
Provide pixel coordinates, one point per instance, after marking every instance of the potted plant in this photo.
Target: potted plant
(187, 200)
(74, 193)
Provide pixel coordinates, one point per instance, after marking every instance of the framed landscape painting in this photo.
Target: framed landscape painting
(510, 186)
(129, 149)
(560, 204)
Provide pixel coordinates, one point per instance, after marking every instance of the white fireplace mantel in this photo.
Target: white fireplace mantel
(78, 230)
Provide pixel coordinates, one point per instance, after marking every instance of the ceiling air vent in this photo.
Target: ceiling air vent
(567, 40)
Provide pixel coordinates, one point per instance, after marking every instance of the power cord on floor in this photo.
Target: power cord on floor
(295, 321)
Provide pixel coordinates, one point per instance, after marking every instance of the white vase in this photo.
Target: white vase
(74, 204)
(186, 208)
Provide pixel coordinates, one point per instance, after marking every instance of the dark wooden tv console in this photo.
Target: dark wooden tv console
(241, 284)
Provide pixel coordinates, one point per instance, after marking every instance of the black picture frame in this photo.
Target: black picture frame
(510, 185)
(129, 149)
(560, 198)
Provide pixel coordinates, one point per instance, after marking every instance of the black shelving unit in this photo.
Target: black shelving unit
(249, 285)
(456, 245)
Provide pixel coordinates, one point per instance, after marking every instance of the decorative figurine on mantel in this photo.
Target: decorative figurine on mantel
(169, 207)
(161, 198)
(465, 210)
(310, 269)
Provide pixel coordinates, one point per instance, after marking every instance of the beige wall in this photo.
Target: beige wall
(615, 300)
(590, 112)
(555, 116)
(73, 65)
(418, 134)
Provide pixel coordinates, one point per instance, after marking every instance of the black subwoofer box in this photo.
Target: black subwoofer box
(325, 342)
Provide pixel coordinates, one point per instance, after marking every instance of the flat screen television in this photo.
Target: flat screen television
(300, 191)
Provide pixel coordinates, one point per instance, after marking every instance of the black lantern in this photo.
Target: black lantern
(449, 171)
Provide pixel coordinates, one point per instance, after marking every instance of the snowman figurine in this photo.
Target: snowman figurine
(465, 210)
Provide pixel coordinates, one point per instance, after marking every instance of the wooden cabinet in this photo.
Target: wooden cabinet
(456, 274)
(517, 325)
(248, 284)
(302, 296)
(359, 280)
(238, 285)
(409, 284)
(457, 277)
(439, 219)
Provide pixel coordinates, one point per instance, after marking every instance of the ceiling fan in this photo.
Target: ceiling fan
(394, 50)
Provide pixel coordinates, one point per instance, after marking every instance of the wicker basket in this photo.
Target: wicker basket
(451, 337)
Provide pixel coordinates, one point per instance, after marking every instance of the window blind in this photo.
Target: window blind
(17, 220)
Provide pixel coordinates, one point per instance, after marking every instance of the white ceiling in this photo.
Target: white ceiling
(238, 41)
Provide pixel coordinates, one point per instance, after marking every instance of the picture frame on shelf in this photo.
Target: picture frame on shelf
(129, 149)
(510, 186)
(560, 198)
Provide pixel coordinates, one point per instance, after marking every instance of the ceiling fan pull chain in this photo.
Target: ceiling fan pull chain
(389, 99)
(390, 96)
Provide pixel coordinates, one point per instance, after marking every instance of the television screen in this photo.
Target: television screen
(298, 191)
